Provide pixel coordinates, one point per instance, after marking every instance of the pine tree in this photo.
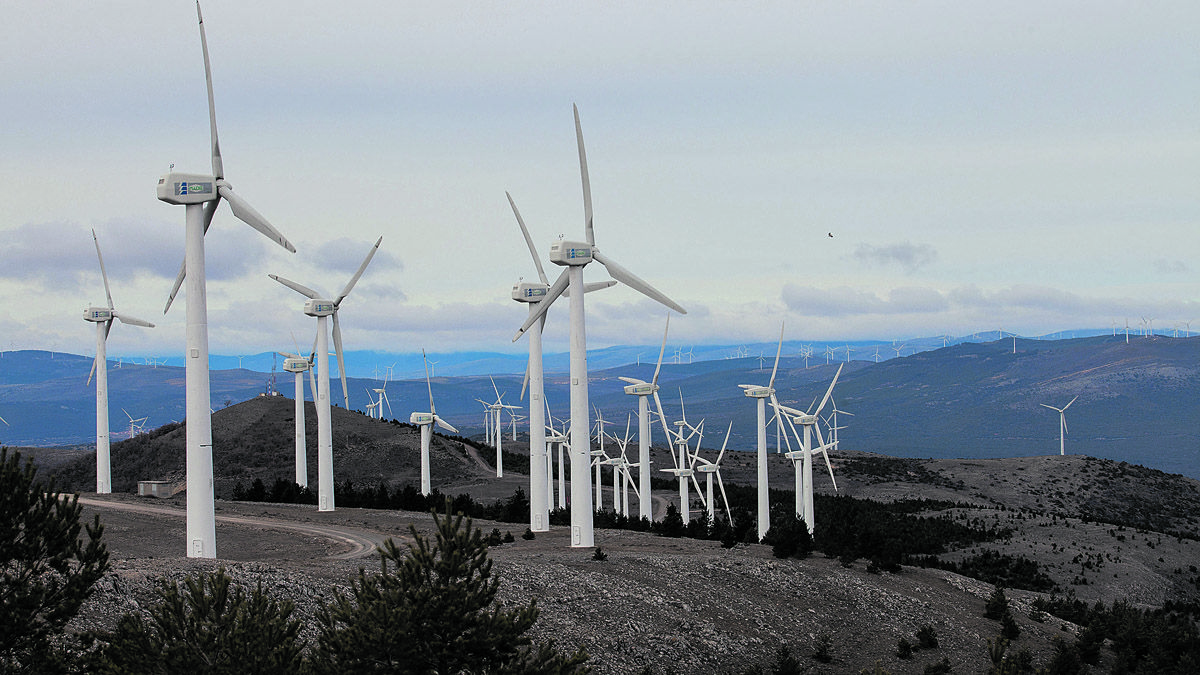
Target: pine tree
(206, 625)
(432, 610)
(46, 569)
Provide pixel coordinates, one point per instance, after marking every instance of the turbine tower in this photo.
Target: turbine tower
(709, 469)
(322, 308)
(643, 390)
(298, 365)
(574, 256)
(426, 422)
(809, 421)
(103, 318)
(761, 394)
(201, 194)
(1062, 425)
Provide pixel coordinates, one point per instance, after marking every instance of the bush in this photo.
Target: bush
(48, 570)
(204, 627)
(997, 605)
(599, 555)
(528, 534)
(904, 649)
(927, 637)
(434, 610)
(821, 653)
(938, 668)
(788, 537)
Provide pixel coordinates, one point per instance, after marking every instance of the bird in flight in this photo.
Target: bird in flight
(831, 235)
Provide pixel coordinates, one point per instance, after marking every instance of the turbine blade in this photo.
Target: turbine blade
(444, 424)
(354, 280)
(724, 498)
(1064, 407)
(428, 386)
(218, 170)
(528, 239)
(661, 350)
(175, 288)
(103, 273)
(829, 392)
(722, 453)
(299, 288)
(91, 374)
(246, 213)
(778, 351)
(587, 183)
(635, 282)
(132, 321)
(312, 383)
(107, 329)
(598, 285)
(524, 381)
(542, 306)
(337, 346)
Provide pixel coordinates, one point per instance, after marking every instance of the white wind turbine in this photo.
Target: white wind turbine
(686, 459)
(530, 293)
(762, 394)
(103, 318)
(621, 465)
(644, 390)
(322, 308)
(426, 422)
(710, 469)
(298, 365)
(802, 459)
(135, 424)
(574, 255)
(1062, 425)
(201, 194)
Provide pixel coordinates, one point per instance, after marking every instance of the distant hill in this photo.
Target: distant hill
(1137, 401)
(255, 440)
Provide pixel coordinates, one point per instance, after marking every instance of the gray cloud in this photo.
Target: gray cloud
(345, 255)
(846, 301)
(908, 256)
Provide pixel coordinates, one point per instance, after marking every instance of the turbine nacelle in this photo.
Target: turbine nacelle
(807, 420)
(567, 253)
(527, 291)
(319, 307)
(295, 365)
(757, 392)
(98, 314)
(187, 188)
(641, 389)
(420, 418)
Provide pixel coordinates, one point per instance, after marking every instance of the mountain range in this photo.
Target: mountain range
(1136, 400)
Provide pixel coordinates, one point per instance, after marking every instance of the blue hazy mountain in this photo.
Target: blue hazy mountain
(1137, 401)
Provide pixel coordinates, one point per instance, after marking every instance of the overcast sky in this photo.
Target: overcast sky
(1031, 166)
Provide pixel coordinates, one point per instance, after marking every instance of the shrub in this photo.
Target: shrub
(204, 627)
(997, 605)
(927, 637)
(904, 649)
(48, 570)
(434, 610)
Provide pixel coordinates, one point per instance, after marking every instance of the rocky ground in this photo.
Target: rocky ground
(683, 606)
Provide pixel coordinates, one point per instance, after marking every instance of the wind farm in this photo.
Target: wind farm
(871, 194)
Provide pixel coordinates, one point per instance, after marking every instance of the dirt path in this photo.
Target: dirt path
(361, 543)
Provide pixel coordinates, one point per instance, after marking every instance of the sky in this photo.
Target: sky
(1028, 166)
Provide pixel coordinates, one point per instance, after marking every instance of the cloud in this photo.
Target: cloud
(1172, 267)
(846, 301)
(345, 255)
(908, 256)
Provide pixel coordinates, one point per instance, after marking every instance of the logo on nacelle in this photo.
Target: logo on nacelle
(193, 188)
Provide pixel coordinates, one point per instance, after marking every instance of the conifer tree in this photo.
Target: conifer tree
(46, 569)
(432, 610)
(206, 625)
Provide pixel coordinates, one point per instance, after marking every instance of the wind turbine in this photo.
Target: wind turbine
(709, 469)
(574, 256)
(201, 195)
(322, 308)
(761, 394)
(103, 318)
(1062, 425)
(298, 365)
(808, 420)
(426, 422)
(643, 390)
